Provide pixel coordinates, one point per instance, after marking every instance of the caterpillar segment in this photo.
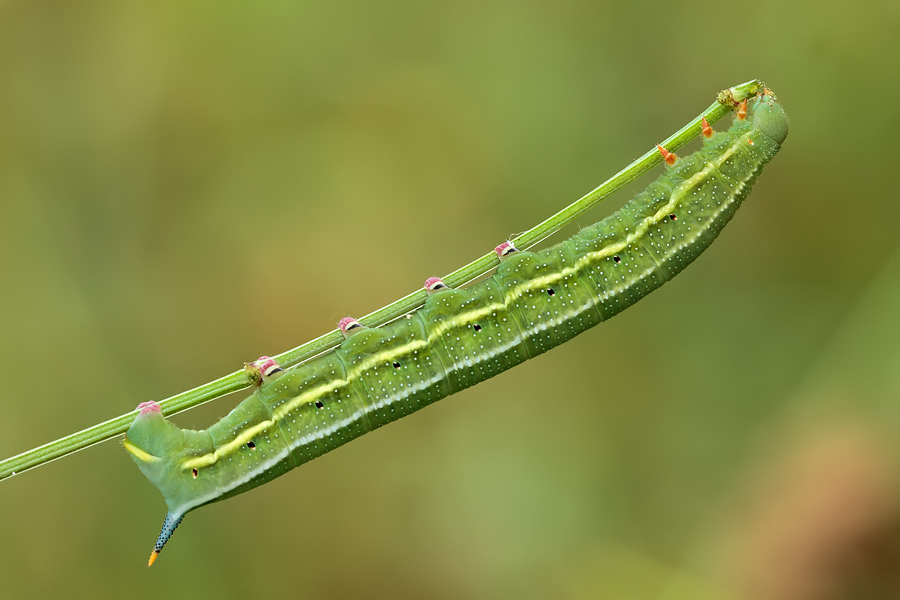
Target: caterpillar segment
(460, 337)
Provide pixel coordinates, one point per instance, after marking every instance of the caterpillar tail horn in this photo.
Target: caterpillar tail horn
(168, 528)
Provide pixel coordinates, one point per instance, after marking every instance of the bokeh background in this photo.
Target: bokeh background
(187, 185)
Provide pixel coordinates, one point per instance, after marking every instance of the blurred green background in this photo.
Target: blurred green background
(187, 185)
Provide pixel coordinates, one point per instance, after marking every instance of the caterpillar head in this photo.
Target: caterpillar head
(770, 118)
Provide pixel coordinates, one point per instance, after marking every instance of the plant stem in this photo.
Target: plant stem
(241, 379)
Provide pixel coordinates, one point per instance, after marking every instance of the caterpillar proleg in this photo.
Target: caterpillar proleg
(532, 303)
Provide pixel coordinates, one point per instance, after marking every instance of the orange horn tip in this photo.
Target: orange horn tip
(152, 560)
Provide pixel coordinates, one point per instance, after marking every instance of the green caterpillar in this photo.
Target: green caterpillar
(460, 337)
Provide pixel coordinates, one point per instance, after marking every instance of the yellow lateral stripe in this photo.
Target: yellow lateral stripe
(222, 451)
(677, 194)
(138, 453)
(464, 319)
(309, 397)
(386, 356)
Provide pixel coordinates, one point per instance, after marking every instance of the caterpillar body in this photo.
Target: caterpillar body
(460, 337)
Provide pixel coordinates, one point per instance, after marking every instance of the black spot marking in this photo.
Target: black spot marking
(672, 216)
(617, 259)
(319, 404)
(476, 327)
(396, 365)
(195, 472)
(550, 291)
(251, 445)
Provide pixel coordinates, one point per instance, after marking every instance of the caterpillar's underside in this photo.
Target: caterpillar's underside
(533, 302)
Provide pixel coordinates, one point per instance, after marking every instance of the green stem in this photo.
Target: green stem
(240, 379)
